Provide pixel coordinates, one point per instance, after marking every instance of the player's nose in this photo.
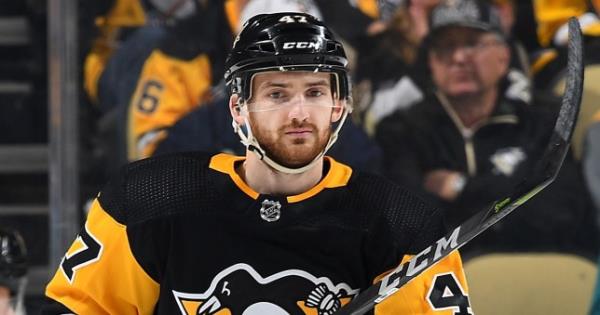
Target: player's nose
(298, 108)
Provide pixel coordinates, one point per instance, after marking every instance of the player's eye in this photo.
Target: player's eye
(315, 93)
(276, 95)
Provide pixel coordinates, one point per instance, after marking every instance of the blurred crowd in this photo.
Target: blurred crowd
(455, 99)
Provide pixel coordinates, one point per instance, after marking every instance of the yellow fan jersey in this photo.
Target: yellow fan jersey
(160, 74)
(127, 14)
(124, 13)
(168, 88)
(551, 15)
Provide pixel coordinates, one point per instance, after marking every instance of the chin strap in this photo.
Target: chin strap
(250, 142)
(19, 305)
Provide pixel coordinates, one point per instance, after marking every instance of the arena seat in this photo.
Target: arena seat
(530, 283)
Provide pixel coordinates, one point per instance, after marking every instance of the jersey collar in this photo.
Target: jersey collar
(337, 176)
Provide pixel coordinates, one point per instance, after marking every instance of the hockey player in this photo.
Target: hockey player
(13, 270)
(281, 230)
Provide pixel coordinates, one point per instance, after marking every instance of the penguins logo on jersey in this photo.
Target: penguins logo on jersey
(240, 289)
(506, 160)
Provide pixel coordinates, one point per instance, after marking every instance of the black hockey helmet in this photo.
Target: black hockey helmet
(13, 259)
(287, 41)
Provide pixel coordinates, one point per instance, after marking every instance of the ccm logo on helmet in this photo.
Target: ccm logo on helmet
(301, 45)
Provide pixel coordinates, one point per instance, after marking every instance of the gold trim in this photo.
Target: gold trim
(338, 176)
(470, 155)
(225, 163)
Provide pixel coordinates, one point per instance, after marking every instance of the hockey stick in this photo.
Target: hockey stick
(544, 174)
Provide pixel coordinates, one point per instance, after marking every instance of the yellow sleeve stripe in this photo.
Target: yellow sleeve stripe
(111, 283)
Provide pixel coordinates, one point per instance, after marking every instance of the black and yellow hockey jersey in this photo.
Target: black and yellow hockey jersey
(183, 234)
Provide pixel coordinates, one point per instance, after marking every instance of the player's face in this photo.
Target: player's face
(466, 61)
(6, 307)
(290, 114)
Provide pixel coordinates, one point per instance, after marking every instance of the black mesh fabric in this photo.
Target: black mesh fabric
(395, 221)
(172, 184)
(371, 203)
(413, 224)
(384, 220)
(160, 186)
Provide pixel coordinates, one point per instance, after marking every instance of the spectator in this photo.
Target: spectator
(13, 270)
(395, 72)
(467, 136)
(549, 65)
(115, 21)
(157, 76)
(386, 56)
(108, 22)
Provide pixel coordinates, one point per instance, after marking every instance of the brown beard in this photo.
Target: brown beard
(300, 152)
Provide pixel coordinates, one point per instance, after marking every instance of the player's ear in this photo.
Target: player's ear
(235, 109)
(338, 110)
